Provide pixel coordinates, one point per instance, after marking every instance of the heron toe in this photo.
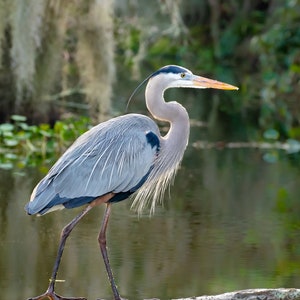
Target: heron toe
(54, 296)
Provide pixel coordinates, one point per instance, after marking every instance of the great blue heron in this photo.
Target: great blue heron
(117, 158)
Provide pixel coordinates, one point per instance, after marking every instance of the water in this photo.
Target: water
(231, 222)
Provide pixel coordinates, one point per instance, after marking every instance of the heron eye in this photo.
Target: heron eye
(182, 75)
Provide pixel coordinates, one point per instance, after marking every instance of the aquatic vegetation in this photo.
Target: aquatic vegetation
(22, 144)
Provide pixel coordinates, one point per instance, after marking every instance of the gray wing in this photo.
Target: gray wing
(111, 157)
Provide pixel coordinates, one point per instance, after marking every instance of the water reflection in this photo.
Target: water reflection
(231, 223)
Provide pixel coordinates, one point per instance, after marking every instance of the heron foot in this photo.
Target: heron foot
(53, 296)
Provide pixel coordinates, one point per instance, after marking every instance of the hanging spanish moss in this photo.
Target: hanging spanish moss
(53, 49)
(95, 55)
(26, 37)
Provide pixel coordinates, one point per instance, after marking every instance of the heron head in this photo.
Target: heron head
(173, 76)
(176, 76)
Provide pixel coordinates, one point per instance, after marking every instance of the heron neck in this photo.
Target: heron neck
(171, 112)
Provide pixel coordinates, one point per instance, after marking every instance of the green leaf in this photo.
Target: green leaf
(24, 126)
(271, 134)
(58, 126)
(6, 166)
(45, 133)
(10, 156)
(6, 127)
(18, 118)
(11, 142)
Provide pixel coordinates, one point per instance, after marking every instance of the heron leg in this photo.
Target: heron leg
(102, 243)
(50, 294)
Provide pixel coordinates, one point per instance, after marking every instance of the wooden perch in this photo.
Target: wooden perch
(254, 294)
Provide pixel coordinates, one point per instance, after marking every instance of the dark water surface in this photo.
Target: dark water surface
(231, 222)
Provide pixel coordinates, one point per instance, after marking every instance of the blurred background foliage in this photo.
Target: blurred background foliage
(66, 65)
(66, 59)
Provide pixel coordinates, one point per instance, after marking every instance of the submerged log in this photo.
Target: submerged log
(253, 294)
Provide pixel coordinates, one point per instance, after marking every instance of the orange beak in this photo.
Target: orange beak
(204, 83)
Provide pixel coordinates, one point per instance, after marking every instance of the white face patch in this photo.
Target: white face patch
(177, 80)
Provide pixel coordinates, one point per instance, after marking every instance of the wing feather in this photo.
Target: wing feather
(111, 157)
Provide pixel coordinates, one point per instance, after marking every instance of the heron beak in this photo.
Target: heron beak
(202, 82)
